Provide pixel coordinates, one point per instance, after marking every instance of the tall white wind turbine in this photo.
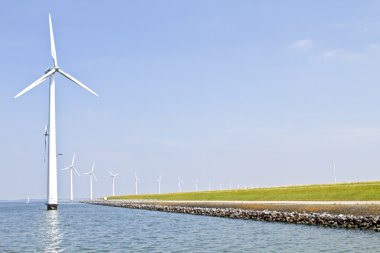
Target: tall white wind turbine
(52, 192)
(71, 168)
(113, 181)
(92, 176)
(180, 182)
(136, 181)
(196, 184)
(159, 184)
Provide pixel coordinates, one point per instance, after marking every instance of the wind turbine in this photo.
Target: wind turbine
(71, 168)
(113, 181)
(92, 175)
(334, 174)
(180, 181)
(209, 186)
(136, 180)
(196, 185)
(46, 134)
(159, 184)
(52, 192)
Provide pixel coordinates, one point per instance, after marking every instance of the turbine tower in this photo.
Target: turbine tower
(180, 181)
(136, 180)
(159, 184)
(334, 174)
(71, 168)
(196, 185)
(92, 176)
(113, 181)
(52, 191)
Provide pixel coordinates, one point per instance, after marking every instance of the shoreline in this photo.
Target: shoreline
(352, 215)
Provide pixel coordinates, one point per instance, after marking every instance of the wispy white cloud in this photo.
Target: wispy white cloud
(172, 144)
(374, 48)
(341, 55)
(303, 45)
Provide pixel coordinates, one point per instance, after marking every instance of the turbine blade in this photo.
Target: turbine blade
(52, 44)
(75, 169)
(110, 173)
(36, 83)
(93, 166)
(95, 178)
(87, 173)
(72, 163)
(77, 82)
(116, 174)
(66, 168)
(45, 151)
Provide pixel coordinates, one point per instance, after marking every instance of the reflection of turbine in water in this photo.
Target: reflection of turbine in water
(51, 233)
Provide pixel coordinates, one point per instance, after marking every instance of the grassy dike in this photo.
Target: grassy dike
(359, 191)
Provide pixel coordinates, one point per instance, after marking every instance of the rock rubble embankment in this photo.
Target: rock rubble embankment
(318, 219)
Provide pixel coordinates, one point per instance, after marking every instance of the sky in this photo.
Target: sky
(249, 93)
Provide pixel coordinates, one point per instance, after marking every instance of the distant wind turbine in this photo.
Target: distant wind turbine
(209, 186)
(180, 182)
(136, 181)
(113, 181)
(92, 176)
(196, 185)
(71, 168)
(46, 134)
(159, 184)
(334, 174)
(52, 192)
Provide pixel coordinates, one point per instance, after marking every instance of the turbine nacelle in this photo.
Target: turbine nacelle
(113, 175)
(56, 68)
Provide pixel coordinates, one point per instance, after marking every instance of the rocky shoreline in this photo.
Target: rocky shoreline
(318, 219)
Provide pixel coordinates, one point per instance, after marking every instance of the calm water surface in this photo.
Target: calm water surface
(88, 228)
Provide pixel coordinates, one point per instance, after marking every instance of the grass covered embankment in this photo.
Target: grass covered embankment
(359, 191)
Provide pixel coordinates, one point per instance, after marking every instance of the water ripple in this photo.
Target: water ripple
(86, 228)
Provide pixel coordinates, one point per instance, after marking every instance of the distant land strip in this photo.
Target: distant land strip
(357, 191)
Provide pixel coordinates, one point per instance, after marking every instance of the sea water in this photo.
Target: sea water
(91, 228)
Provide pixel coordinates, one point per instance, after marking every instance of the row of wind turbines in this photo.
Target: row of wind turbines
(92, 176)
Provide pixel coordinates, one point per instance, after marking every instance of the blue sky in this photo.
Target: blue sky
(244, 92)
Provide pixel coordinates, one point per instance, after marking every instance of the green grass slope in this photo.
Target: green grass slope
(360, 191)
